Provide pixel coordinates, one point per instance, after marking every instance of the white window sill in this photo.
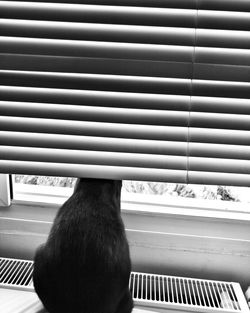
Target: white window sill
(18, 301)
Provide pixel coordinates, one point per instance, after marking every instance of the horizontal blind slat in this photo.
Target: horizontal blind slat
(222, 56)
(219, 120)
(239, 5)
(95, 65)
(217, 88)
(225, 151)
(222, 136)
(18, 153)
(95, 49)
(92, 81)
(98, 13)
(222, 38)
(226, 179)
(222, 72)
(95, 114)
(53, 95)
(233, 20)
(98, 32)
(107, 99)
(67, 127)
(221, 105)
(219, 165)
(190, 4)
(44, 140)
(92, 171)
(98, 129)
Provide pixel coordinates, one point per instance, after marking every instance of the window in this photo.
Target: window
(162, 96)
(224, 193)
(57, 189)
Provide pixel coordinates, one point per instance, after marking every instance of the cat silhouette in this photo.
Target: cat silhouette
(84, 266)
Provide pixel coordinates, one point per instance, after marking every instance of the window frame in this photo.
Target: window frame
(5, 190)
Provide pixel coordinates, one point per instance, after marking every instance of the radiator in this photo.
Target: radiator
(158, 293)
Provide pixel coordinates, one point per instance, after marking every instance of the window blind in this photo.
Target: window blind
(133, 89)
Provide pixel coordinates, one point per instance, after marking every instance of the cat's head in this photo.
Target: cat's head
(116, 184)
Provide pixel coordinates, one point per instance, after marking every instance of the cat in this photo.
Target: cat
(84, 267)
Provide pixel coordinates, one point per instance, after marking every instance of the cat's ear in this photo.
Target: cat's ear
(118, 183)
(76, 184)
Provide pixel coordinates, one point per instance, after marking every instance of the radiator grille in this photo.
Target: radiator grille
(158, 289)
(149, 290)
(16, 273)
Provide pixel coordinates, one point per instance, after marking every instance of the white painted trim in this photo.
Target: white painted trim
(5, 200)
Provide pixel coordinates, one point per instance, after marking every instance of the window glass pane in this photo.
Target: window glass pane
(45, 180)
(166, 190)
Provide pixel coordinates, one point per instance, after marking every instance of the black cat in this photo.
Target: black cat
(84, 266)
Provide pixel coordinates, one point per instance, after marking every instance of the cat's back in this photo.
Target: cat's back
(91, 220)
(86, 255)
